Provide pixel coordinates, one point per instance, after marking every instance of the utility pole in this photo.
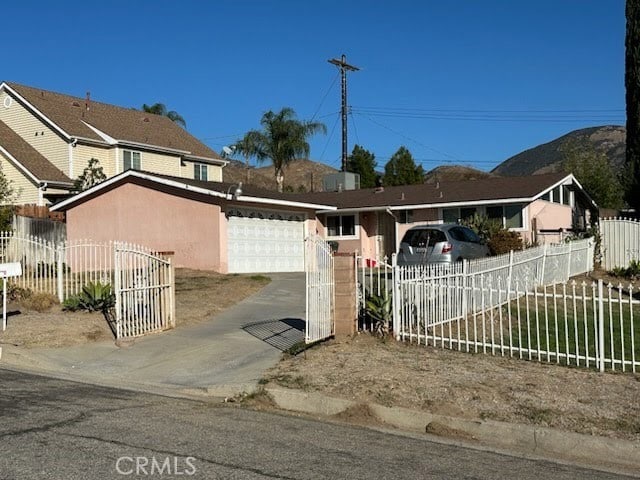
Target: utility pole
(344, 66)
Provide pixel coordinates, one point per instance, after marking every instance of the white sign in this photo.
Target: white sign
(13, 269)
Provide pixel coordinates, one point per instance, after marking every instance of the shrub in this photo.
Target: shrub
(484, 226)
(39, 302)
(16, 293)
(94, 297)
(504, 241)
(632, 271)
(378, 309)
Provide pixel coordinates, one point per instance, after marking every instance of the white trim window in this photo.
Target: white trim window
(342, 226)
(511, 216)
(130, 160)
(200, 171)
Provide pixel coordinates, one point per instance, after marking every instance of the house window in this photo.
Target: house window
(130, 160)
(405, 216)
(467, 212)
(341, 226)
(566, 195)
(509, 216)
(513, 216)
(200, 171)
(450, 215)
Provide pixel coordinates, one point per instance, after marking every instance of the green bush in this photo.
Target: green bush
(504, 241)
(379, 309)
(95, 297)
(632, 271)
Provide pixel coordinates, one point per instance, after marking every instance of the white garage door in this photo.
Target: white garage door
(265, 241)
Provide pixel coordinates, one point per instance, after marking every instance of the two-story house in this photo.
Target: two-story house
(47, 140)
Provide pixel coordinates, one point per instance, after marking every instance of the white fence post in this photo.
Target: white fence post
(117, 289)
(60, 271)
(601, 354)
(395, 297)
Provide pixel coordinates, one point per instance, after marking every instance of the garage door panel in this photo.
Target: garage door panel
(262, 241)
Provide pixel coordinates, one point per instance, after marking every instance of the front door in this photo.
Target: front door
(386, 235)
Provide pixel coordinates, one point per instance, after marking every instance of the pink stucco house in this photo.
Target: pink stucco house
(542, 208)
(215, 226)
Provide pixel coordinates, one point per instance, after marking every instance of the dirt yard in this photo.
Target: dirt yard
(466, 385)
(199, 295)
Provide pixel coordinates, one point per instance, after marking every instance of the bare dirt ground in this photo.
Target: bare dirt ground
(199, 295)
(473, 386)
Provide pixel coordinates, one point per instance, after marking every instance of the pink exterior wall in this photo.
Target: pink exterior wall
(155, 219)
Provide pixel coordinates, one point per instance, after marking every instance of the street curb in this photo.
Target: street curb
(542, 442)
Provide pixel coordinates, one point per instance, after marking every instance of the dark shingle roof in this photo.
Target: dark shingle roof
(29, 157)
(124, 124)
(488, 189)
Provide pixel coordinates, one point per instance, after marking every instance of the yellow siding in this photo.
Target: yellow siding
(26, 191)
(214, 172)
(83, 153)
(159, 163)
(25, 124)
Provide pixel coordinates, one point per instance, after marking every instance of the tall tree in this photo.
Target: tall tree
(283, 138)
(363, 162)
(594, 172)
(401, 169)
(632, 84)
(8, 196)
(161, 109)
(92, 174)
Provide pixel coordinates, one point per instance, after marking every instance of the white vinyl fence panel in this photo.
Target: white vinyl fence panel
(620, 242)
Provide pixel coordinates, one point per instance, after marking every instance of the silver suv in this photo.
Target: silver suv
(440, 244)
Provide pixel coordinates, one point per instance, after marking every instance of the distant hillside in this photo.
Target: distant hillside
(454, 173)
(298, 175)
(547, 158)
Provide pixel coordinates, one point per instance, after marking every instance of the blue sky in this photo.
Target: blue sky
(467, 82)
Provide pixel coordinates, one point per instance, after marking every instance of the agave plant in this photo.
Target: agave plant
(95, 296)
(379, 309)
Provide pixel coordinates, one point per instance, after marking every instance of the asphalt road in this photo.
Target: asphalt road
(54, 429)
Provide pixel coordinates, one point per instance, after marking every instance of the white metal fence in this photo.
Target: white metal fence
(620, 242)
(143, 281)
(320, 295)
(585, 325)
(438, 293)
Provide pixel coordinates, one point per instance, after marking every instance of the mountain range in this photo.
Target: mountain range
(306, 175)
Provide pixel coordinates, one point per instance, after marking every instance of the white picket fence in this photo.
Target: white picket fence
(320, 289)
(588, 325)
(620, 242)
(143, 281)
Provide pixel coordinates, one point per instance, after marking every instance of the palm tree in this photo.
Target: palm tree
(283, 138)
(247, 147)
(161, 109)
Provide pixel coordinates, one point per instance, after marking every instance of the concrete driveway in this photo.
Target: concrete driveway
(223, 356)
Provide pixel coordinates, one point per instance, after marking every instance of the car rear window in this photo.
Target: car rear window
(423, 237)
(464, 234)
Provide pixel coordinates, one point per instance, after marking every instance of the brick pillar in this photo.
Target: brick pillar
(346, 315)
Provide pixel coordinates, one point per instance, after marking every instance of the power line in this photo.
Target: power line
(523, 116)
(335, 79)
(329, 139)
(413, 140)
(353, 122)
